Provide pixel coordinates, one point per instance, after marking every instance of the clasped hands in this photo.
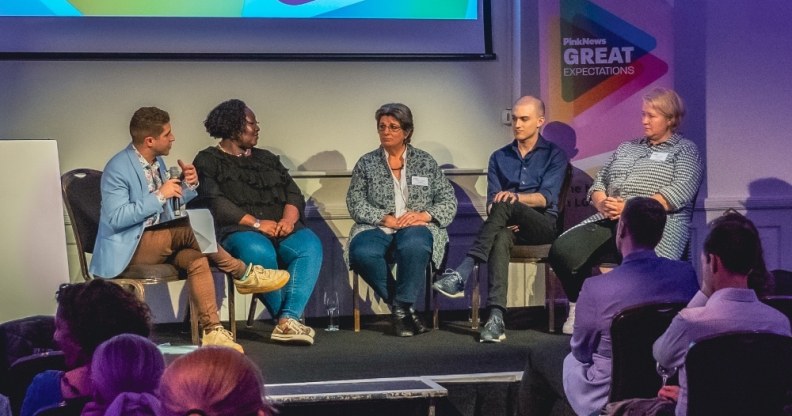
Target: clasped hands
(611, 207)
(271, 228)
(408, 219)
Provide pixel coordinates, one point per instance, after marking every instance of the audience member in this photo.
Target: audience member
(125, 374)
(87, 315)
(662, 165)
(260, 213)
(524, 181)
(401, 203)
(213, 381)
(733, 268)
(136, 227)
(643, 277)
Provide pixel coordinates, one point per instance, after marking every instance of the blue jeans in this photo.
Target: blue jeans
(372, 251)
(300, 253)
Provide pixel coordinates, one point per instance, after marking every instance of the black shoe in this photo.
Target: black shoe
(402, 325)
(417, 323)
(494, 330)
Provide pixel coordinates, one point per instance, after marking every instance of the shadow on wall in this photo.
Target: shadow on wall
(577, 206)
(764, 195)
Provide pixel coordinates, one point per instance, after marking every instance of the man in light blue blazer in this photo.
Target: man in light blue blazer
(136, 227)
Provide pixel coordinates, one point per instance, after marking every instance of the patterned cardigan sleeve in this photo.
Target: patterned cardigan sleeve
(361, 210)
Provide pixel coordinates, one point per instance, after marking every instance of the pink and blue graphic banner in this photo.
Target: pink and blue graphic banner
(340, 9)
(598, 58)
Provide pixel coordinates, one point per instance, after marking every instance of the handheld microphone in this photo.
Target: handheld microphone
(175, 173)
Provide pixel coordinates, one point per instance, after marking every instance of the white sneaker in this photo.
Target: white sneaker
(220, 336)
(569, 324)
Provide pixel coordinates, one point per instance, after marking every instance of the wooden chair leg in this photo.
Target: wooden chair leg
(232, 305)
(356, 301)
(550, 296)
(194, 327)
(475, 299)
(252, 312)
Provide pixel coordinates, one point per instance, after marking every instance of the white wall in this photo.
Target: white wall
(316, 115)
(304, 107)
(748, 102)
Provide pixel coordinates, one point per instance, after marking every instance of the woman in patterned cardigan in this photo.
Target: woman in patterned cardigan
(662, 165)
(401, 203)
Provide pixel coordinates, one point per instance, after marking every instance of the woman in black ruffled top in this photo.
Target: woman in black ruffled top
(259, 212)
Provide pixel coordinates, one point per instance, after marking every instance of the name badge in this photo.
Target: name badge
(659, 156)
(420, 180)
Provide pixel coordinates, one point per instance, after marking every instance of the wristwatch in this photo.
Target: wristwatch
(257, 224)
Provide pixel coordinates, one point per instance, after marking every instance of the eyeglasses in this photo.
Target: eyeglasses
(392, 127)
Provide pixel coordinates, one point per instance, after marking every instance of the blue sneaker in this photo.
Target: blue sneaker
(451, 284)
(494, 330)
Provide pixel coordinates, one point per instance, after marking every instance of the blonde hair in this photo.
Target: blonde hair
(668, 103)
(215, 380)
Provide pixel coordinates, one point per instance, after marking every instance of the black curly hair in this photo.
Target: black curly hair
(99, 310)
(227, 120)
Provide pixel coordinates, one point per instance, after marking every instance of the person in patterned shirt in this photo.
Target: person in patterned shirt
(662, 165)
(401, 203)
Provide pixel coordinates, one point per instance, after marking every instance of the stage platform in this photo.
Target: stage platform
(480, 379)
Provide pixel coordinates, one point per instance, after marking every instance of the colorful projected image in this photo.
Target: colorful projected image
(330, 9)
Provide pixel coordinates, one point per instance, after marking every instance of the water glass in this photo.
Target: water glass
(331, 306)
(665, 373)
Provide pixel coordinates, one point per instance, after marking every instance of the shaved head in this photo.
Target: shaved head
(531, 100)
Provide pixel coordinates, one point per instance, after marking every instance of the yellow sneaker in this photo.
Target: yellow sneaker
(292, 331)
(260, 280)
(220, 336)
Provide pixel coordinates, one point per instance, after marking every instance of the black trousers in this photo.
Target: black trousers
(576, 251)
(495, 241)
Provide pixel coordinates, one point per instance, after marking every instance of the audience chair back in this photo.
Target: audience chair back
(82, 196)
(633, 332)
(72, 407)
(24, 369)
(783, 282)
(745, 373)
(780, 302)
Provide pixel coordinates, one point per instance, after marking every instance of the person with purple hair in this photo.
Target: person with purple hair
(213, 381)
(125, 374)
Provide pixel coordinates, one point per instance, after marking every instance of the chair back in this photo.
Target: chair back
(633, 332)
(562, 198)
(783, 282)
(781, 303)
(83, 199)
(746, 373)
(71, 407)
(24, 369)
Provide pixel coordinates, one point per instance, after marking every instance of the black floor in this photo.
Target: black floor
(374, 353)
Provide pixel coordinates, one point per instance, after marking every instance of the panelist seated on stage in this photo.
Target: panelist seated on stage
(662, 165)
(584, 377)
(524, 180)
(135, 224)
(401, 203)
(260, 214)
